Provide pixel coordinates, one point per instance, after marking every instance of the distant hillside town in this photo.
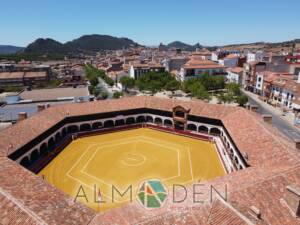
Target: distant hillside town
(120, 67)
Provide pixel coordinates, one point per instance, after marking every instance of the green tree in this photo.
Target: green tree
(92, 89)
(10, 88)
(94, 81)
(104, 95)
(127, 82)
(109, 81)
(155, 82)
(54, 83)
(233, 89)
(117, 94)
(242, 100)
(225, 98)
(208, 82)
(172, 85)
(199, 91)
(97, 92)
(93, 74)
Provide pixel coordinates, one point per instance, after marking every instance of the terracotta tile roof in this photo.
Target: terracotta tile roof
(13, 213)
(287, 82)
(231, 56)
(201, 64)
(274, 164)
(237, 70)
(222, 214)
(28, 195)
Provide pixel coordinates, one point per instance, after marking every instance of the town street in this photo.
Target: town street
(285, 125)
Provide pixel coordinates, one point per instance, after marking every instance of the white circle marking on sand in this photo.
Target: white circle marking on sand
(133, 159)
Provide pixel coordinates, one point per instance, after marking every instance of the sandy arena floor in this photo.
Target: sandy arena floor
(127, 158)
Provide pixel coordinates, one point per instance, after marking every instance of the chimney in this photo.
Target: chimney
(267, 118)
(255, 212)
(253, 108)
(22, 116)
(292, 199)
(40, 107)
(297, 143)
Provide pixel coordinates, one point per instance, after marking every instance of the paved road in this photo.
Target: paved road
(286, 128)
(105, 87)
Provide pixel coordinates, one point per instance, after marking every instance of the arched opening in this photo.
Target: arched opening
(120, 122)
(34, 156)
(149, 119)
(25, 162)
(51, 144)
(108, 123)
(43, 149)
(85, 127)
(168, 123)
(130, 120)
(203, 129)
(158, 121)
(227, 145)
(140, 119)
(192, 127)
(64, 132)
(231, 154)
(97, 125)
(72, 129)
(215, 131)
(57, 137)
(236, 160)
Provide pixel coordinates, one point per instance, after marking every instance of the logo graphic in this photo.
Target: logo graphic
(152, 193)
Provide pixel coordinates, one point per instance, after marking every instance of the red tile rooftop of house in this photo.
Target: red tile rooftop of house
(201, 64)
(256, 195)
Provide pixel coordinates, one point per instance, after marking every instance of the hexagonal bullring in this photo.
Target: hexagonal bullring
(126, 158)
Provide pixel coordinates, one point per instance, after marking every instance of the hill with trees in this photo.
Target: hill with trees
(45, 46)
(93, 42)
(183, 46)
(97, 42)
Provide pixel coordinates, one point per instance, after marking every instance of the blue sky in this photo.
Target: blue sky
(149, 22)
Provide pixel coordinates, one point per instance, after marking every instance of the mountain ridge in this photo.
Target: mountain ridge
(92, 42)
(183, 46)
(10, 49)
(96, 42)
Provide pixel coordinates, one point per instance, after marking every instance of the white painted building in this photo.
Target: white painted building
(229, 61)
(259, 83)
(196, 67)
(136, 70)
(285, 89)
(258, 56)
(235, 75)
(215, 56)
